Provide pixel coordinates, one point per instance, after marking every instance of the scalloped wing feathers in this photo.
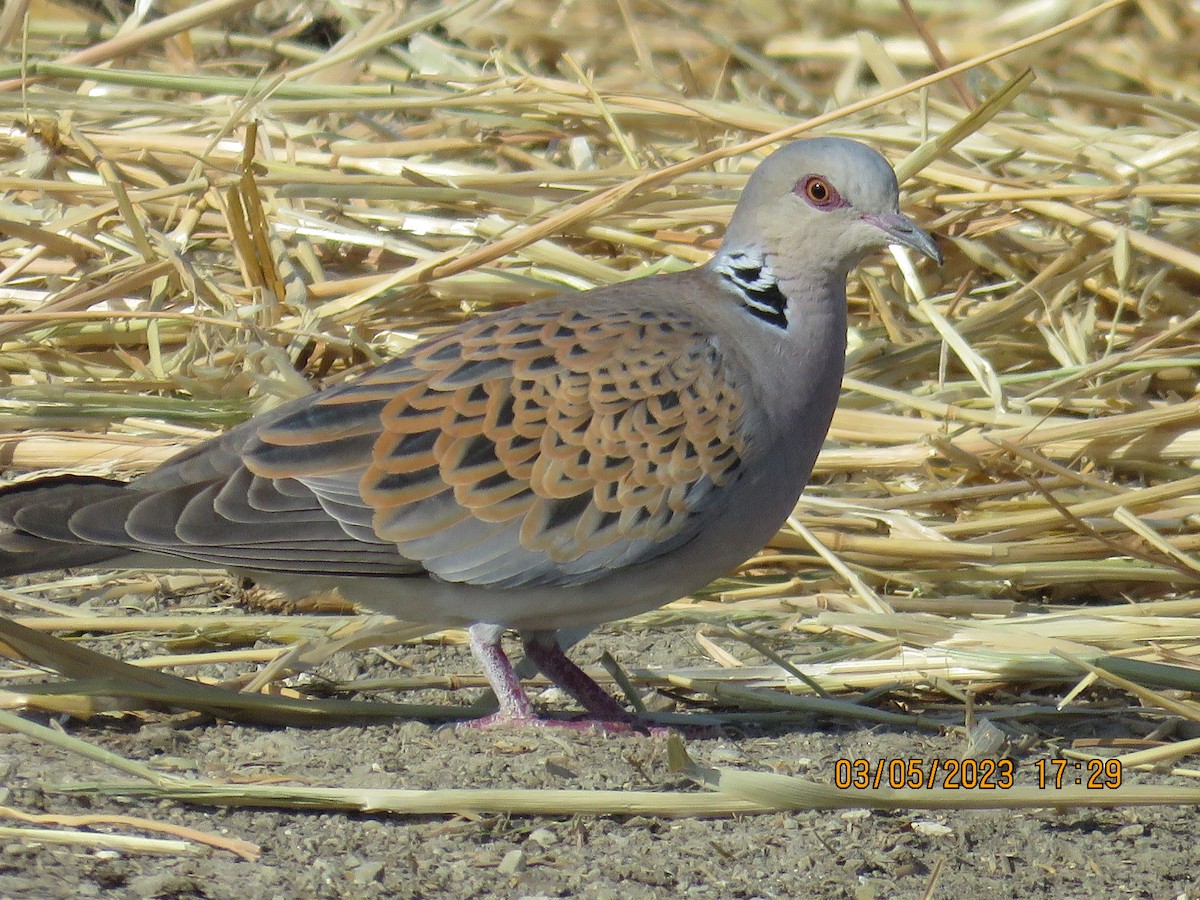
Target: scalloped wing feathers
(525, 449)
(546, 445)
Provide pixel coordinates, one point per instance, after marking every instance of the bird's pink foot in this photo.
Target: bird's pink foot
(605, 714)
(500, 720)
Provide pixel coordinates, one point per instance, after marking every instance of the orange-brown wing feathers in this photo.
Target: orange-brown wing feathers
(542, 446)
(523, 449)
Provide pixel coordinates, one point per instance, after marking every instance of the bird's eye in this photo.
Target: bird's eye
(818, 192)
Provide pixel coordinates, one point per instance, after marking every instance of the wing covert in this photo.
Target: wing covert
(522, 449)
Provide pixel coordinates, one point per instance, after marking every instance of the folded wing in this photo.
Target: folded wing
(545, 447)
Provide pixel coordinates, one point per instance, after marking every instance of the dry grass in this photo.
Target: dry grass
(207, 213)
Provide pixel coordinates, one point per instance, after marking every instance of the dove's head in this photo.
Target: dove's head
(814, 208)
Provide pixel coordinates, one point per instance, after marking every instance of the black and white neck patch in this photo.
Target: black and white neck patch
(749, 274)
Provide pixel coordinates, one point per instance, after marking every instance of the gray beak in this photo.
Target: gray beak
(900, 229)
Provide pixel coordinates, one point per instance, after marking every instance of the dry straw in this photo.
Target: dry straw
(210, 212)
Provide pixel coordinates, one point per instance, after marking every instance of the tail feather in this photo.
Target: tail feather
(34, 536)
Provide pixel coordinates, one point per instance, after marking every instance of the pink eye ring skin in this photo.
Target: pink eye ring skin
(818, 192)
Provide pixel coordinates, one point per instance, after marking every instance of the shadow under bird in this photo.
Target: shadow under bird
(568, 462)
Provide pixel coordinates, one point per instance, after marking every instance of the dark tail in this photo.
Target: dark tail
(34, 531)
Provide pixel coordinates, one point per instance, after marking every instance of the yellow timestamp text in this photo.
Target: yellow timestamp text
(972, 774)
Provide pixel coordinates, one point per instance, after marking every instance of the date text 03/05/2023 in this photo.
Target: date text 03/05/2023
(973, 774)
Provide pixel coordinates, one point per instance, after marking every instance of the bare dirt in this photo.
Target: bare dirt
(851, 854)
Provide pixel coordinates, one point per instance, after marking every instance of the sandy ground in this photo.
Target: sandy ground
(852, 854)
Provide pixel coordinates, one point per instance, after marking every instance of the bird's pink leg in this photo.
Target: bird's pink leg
(515, 708)
(543, 649)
